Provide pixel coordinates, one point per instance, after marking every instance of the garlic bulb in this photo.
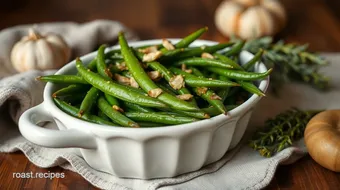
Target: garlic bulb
(249, 19)
(40, 52)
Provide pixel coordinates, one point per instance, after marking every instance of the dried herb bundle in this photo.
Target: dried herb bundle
(291, 62)
(280, 132)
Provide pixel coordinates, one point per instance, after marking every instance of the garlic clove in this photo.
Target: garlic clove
(15, 54)
(29, 57)
(248, 23)
(227, 17)
(45, 55)
(278, 11)
(62, 45)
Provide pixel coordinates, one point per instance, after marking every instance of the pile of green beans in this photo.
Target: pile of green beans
(181, 85)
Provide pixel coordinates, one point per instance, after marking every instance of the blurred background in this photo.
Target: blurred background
(309, 21)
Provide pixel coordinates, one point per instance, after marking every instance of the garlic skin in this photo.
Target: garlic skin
(248, 19)
(40, 52)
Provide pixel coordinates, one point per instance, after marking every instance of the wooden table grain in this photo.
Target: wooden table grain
(316, 22)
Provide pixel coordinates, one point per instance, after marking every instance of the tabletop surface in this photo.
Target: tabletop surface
(316, 22)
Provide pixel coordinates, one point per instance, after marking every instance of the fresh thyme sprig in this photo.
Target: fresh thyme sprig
(291, 62)
(280, 132)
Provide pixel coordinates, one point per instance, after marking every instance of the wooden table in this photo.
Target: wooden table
(315, 22)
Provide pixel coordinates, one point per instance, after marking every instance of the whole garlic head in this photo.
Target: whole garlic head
(40, 52)
(249, 19)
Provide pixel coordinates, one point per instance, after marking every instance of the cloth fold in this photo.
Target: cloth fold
(241, 168)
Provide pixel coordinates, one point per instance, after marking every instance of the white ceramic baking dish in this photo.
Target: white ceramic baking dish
(141, 152)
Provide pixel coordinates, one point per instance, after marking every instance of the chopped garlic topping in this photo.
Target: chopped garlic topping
(202, 90)
(154, 75)
(134, 83)
(183, 67)
(121, 66)
(207, 55)
(148, 49)
(117, 108)
(167, 44)
(152, 56)
(215, 97)
(177, 82)
(155, 92)
(121, 79)
(185, 96)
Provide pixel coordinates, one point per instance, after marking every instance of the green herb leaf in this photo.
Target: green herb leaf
(280, 132)
(291, 62)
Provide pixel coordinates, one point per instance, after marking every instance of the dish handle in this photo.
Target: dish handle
(50, 137)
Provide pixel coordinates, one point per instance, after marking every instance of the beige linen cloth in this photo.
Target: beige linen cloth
(242, 168)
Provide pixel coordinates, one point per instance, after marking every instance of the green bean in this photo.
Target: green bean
(146, 46)
(223, 93)
(63, 79)
(112, 53)
(117, 90)
(167, 76)
(240, 75)
(168, 55)
(92, 65)
(185, 42)
(73, 111)
(113, 68)
(115, 115)
(74, 98)
(136, 107)
(228, 61)
(162, 69)
(150, 124)
(111, 99)
(197, 51)
(194, 81)
(105, 73)
(101, 66)
(166, 88)
(196, 72)
(236, 49)
(196, 114)
(248, 86)
(208, 96)
(130, 88)
(171, 54)
(204, 62)
(213, 111)
(126, 74)
(139, 55)
(73, 88)
(113, 56)
(89, 100)
(251, 88)
(249, 65)
(164, 118)
(145, 82)
(103, 116)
